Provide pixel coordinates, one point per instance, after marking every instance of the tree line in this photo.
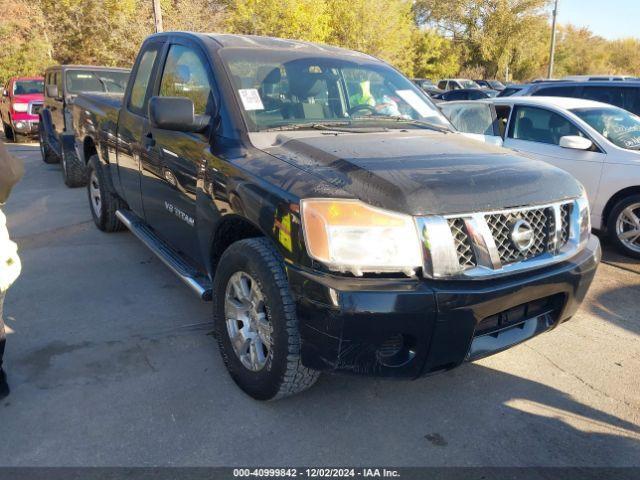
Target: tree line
(423, 38)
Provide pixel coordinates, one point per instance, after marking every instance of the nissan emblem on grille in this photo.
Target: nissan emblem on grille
(522, 235)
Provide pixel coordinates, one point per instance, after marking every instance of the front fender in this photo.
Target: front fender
(46, 127)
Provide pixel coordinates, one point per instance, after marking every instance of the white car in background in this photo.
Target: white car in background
(597, 143)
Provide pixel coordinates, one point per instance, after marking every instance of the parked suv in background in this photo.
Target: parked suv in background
(623, 94)
(62, 85)
(21, 103)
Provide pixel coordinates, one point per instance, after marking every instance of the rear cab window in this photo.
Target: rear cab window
(141, 79)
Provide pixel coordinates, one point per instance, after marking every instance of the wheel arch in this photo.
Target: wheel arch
(89, 148)
(230, 229)
(618, 196)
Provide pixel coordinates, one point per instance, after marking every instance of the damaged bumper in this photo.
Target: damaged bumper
(408, 328)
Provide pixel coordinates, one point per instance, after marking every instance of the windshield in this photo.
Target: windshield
(468, 84)
(25, 87)
(282, 89)
(615, 124)
(496, 84)
(96, 81)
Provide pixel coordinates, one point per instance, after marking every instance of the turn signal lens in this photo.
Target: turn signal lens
(351, 236)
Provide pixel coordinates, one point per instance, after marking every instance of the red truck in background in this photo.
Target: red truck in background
(22, 100)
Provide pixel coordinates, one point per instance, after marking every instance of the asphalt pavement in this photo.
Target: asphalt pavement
(111, 363)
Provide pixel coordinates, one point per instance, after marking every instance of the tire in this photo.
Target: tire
(255, 262)
(624, 219)
(103, 202)
(8, 132)
(74, 171)
(47, 153)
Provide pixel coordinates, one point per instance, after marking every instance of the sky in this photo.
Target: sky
(611, 19)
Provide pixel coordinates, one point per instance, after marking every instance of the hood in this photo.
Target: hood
(424, 172)
(28, 97)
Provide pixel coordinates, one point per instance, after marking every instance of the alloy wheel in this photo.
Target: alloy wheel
(248, 327)
(95, 196)
(628, 227)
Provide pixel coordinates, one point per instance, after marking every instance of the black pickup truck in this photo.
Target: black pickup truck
(63, 83)
(329, 211)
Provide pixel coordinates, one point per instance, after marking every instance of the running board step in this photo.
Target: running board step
(189, 275)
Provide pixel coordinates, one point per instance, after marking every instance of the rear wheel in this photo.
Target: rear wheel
(74, 172)
(47, 153)
(623, 226)
(255, 322)
(102, 201)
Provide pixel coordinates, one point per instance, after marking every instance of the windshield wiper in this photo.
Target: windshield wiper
(307, 126)
(411, 121)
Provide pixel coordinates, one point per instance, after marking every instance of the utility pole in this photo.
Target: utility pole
(552, 54)
(157, 15)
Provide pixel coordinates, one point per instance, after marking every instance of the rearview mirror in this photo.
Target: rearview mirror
(52, 91)
(575, 142)
(176, 113)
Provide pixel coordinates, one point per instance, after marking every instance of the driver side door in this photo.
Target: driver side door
(170, 176)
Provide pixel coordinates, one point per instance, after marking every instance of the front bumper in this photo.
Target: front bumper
(26, 126)
(408, 328)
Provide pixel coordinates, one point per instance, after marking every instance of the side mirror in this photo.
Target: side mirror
(5, 92)
(575, 142)
(52, 91)
(176, 113)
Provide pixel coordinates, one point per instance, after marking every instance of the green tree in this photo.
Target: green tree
(26, 49)
(295, 19)
(580, 52)
(624, 56)
(106, 32)
(492, 34)
(434, 56)
(383, 28)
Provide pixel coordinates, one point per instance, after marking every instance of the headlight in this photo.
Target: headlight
(584, 219)
(351, 236)
(20, 107)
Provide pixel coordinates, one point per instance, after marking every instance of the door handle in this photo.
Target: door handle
(149, 142)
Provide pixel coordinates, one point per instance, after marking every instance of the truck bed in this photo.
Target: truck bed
(99, 103)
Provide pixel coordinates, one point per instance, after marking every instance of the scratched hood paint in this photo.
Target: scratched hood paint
(425, 173)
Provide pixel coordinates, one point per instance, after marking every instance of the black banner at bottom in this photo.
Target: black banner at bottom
(290, 473)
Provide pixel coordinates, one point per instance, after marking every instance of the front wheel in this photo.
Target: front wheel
(102, 201)
(47, 153)
(255, 322)
(623, 226)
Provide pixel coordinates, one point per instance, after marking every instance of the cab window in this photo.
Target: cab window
(540, 125)
(141, 81)
(185, 75)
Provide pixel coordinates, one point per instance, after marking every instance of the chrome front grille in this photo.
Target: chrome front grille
(501, 224)
(492, 243)
(462, 242)
(35, 108)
